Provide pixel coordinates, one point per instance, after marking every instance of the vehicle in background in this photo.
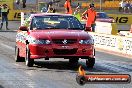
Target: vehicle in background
(103, 17)
(53, 35)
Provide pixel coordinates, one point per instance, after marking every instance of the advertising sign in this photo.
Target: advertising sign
(123, 21)
(18, 6)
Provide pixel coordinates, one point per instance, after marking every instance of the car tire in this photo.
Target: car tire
(28, 60)
(90, 62)
(73, 61)
(17, 57)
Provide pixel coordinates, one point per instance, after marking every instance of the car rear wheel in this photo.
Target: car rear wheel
(17, 57)
(90, 62)
(29, 61)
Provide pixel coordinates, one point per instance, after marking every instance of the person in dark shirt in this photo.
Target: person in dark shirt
(128, 6)
(0, 10)
(4, 15)
(51, 9)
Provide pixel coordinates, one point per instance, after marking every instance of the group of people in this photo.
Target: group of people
(125, 6)
(4, 10)
(89, 15)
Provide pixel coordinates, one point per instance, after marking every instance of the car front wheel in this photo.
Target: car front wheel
(73, 61)
(29, 61)
(17, 57)
(90, 62)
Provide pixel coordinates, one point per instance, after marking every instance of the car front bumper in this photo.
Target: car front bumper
(61, 51)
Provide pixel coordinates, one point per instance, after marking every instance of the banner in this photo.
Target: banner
(123, 21)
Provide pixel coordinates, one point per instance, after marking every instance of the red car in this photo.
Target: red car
(54, 36)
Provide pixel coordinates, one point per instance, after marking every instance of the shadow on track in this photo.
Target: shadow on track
(61, 65)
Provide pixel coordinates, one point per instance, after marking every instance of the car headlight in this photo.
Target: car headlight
(89, 41)
(39, 41)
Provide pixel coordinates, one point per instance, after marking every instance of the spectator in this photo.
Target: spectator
(91, 13)
(24, 3)
(44, 9)
(77, 12)
(131, 6)
(4, 14)
(67, 7)
(0, 10)
(17, 2)
(50, 9)
(122, 6)
(127, 6)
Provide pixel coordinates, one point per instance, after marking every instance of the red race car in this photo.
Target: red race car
(54, 36)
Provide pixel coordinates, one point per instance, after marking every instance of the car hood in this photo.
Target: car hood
(59, 34)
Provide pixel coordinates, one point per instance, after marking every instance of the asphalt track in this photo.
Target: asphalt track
(55, 73)
(12, 25)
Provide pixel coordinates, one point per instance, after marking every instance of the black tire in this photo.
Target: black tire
(17, 57)
(28, 60)
(90, 62)
(73, 61)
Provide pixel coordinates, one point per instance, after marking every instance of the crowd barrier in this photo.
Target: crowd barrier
(105, 27)
(114, 43)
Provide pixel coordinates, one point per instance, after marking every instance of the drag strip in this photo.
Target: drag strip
(55, 73)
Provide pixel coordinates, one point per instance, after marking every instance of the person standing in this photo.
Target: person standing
(122, 6)
(77, 12)
(0, 10)
(4, 14)
(51, 9)
(91, 17)
(67, 7)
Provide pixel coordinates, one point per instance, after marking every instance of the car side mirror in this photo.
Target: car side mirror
(23, 28)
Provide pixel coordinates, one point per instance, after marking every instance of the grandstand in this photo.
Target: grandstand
(105, 4)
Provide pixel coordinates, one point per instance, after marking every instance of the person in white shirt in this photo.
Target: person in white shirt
(122, 5)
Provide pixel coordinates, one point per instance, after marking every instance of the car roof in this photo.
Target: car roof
(101, 12)
(45, 14)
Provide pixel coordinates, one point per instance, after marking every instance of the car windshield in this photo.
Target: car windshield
(102, 15)
(55, 22)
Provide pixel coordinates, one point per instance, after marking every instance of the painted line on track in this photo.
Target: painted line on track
(114, 53)
(7, 46)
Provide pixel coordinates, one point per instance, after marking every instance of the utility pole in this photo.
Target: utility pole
(100, 5)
